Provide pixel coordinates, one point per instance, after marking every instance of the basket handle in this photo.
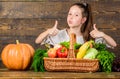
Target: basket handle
(71, 53)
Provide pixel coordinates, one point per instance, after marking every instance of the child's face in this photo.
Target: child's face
(74, 18)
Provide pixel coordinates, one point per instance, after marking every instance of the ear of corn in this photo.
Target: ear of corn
(83, 49)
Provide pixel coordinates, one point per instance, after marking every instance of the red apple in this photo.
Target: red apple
(52, 53)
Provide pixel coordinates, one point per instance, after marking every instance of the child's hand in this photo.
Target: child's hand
(54, 30)
(95, 33)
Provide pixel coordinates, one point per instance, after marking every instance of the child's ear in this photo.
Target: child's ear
(83, 20)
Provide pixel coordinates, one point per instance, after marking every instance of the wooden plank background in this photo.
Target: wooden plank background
(26, 19)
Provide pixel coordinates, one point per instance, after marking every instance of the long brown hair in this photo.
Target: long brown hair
(88, 25)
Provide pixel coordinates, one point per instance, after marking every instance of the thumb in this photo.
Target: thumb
(56, 24)
(94, 27)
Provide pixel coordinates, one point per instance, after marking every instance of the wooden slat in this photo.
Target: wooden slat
(52, 9)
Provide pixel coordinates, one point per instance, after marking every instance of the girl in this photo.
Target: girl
(80, 23)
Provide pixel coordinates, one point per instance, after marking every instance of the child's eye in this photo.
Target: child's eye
(76, 15)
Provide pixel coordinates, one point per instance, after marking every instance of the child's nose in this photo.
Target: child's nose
(71, 17)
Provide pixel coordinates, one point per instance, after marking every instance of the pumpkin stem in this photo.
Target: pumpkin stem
(17, 41)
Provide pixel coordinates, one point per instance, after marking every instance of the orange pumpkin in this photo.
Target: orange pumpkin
(17, 56)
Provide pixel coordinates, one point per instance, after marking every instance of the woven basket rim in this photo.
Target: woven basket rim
(47, 58)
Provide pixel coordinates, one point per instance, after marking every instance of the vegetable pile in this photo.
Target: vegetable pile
(88, 50)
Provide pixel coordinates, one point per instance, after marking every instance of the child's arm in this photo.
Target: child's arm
(41, 36)
(109, 40)
(96, 34)
(52, 31)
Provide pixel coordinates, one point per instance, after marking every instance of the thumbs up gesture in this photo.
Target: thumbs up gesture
(95, 33)
(54, 30)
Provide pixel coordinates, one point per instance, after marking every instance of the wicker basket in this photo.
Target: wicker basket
(71, 63)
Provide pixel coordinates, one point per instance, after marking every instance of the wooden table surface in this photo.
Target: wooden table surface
(8, 74)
